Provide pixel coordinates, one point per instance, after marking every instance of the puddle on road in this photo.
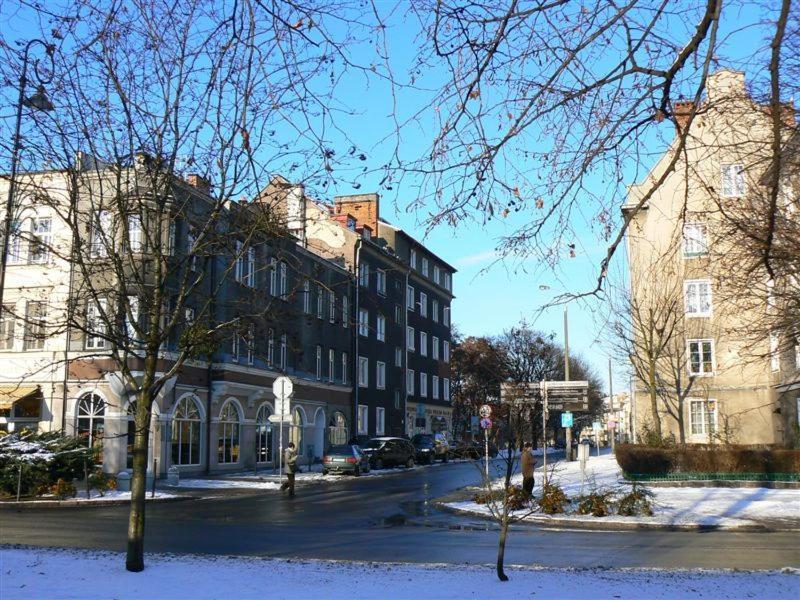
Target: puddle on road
(419, 513)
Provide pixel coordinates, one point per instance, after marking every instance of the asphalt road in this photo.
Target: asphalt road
(384, 519)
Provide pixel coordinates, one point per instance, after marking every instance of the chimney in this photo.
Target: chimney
(199, 182)
(364, 207)
(681, 111)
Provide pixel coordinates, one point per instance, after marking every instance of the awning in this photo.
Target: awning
(10, 394)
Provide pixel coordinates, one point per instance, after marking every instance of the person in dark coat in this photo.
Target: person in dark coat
(290, 465)
(527, 462)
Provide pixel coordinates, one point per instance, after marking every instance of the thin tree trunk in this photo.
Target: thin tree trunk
(501, 548)
(654, 401)
(135, 556)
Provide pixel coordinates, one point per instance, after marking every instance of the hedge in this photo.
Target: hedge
(704, 458)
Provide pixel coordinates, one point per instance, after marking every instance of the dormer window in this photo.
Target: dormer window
(351, 223)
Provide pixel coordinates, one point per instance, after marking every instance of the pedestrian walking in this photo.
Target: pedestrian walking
(290, 462)
(527, 462)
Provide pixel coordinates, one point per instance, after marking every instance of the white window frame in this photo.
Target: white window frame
(250, 278)
(437, 275)
(273, 276)
(446, 389)
(692, 298)
(344, 368)
(332, 307)
(448, 282)
(425, 265)
(380, 279)
(380, 420)
(423, 304)
(380, 375)
(284, 282)
(695, 239)
(363, 419)
(701, 429)
(435, 387)
(238, 264)
(412, 258)
(410, 339)
(446, 316)
(398, 356)
(380, 329)
(435, 310)
(423, 343)
(732, 182)
(363, 371)
(95, 324)
(701, 372)
(307, 297)
(320, 302)
(41, 238)
(363, 275)
(250, 339)
(423, 385)
(345, 312)
(283, 357)
(410, 298)
(446, 351)
(8, 324)
(318, 365)
(363, 322)
(435, 348)
(15, 243)
(101, 227)
(331, 364)
(271, 347)
(410, 381)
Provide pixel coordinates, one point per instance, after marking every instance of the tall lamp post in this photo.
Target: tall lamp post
(38, 101)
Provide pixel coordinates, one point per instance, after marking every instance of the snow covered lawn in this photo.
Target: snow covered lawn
(687, 507)
(48, 574)
(96, 498)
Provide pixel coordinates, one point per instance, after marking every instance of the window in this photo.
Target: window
(436, 275)
(448, 282)
(695, 239)
(410, 381)
(345, 368)
(380, 278)
(412, 259)
(319, 363)
(697, 298)
(41, 240)
(425, 267)
(171, 230)
(7, 323)
(423, 385)
(774, 352)
(307, 297)
(191, 250)
(397, 399)
(186, 432)
(380, 375)
(273, 276)
(320, 301)
(363, 275)
(410, 338)
(446, 351)
(701, 357)
(238, 265)
(398, 356)
(423, 304)
(95, 326)
(410, 298)
(435, 348)
(135, 241)
(250, 272)
(15, 244)
(264, 442)
(332, 307)
(732, 181)
(435, 386)
(363, 419)
(345, 311)
(101, 227)
(235, 346)
(363, 322)
(228, 435)
(132, 318)
(283, 352)
(796, 351)
(703, 416)
(35, 325)
(381, 328)
(91, 423)
(398, 314)
(380, 420)
(446, 316)
(331, 364)
(363, 371)
(248, 340)
(435, 310)
(270, 347)
(446, 389)
(284, 285)
(423, 343)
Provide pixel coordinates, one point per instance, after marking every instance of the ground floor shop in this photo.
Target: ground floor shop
(428, 418)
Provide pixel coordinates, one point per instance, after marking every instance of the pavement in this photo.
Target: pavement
(384, 519)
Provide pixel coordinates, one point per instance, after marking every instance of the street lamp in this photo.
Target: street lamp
(38, 101)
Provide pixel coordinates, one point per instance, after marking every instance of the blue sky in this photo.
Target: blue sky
(492, 294)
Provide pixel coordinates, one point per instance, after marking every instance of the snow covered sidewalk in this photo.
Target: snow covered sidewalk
(673, 506)
(48, 574)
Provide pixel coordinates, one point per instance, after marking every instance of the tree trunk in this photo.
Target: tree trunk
(654, 401)
(501, 548)
(681, 422)
(135, 556)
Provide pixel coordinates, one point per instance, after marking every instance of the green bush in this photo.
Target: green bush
(38, 460)
(553, 499)
(102, 482)
(63, 489)
(597, 504)
(638, 502)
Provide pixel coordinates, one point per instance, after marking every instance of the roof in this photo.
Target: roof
(418, 243)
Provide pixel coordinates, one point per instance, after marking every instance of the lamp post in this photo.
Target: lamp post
(38, 101)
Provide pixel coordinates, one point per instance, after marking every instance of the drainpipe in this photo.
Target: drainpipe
(209, 367)
(405, 353)
(356, 280)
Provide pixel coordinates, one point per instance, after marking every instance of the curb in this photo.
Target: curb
(28, 504)
(600, 525)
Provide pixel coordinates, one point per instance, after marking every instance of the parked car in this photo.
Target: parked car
(473, 450)
(359, 440)
(346, 458)
(430, 447)
(389, 452)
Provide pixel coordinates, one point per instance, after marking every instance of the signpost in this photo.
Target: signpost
(566, 419)
(282, 389)
(597, 426)
(486, 424)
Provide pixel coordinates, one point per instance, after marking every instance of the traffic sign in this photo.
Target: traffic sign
(486, 423)
(282, 388)
(597, 426)
(485, 411)
(612, 424)
(566, 419)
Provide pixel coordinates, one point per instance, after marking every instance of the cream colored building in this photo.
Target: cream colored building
(721, 378)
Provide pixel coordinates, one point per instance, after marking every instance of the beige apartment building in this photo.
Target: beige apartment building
(720, 379)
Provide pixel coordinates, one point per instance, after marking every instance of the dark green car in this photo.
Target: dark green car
(346, 458)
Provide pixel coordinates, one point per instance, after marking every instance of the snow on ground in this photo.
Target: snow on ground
(228, 484)
(721, 507)
(48, 574)
(110, 496)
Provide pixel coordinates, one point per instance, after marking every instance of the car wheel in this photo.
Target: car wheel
(357, 472)
(378, 464)
(410, 463)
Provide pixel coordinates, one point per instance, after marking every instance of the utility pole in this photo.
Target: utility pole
(567, 430)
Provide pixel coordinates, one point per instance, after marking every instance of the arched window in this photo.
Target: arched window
(337, 429)
(91, 423)
(296, 430)
(186, 432)
(228, 430)
(264, 445)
